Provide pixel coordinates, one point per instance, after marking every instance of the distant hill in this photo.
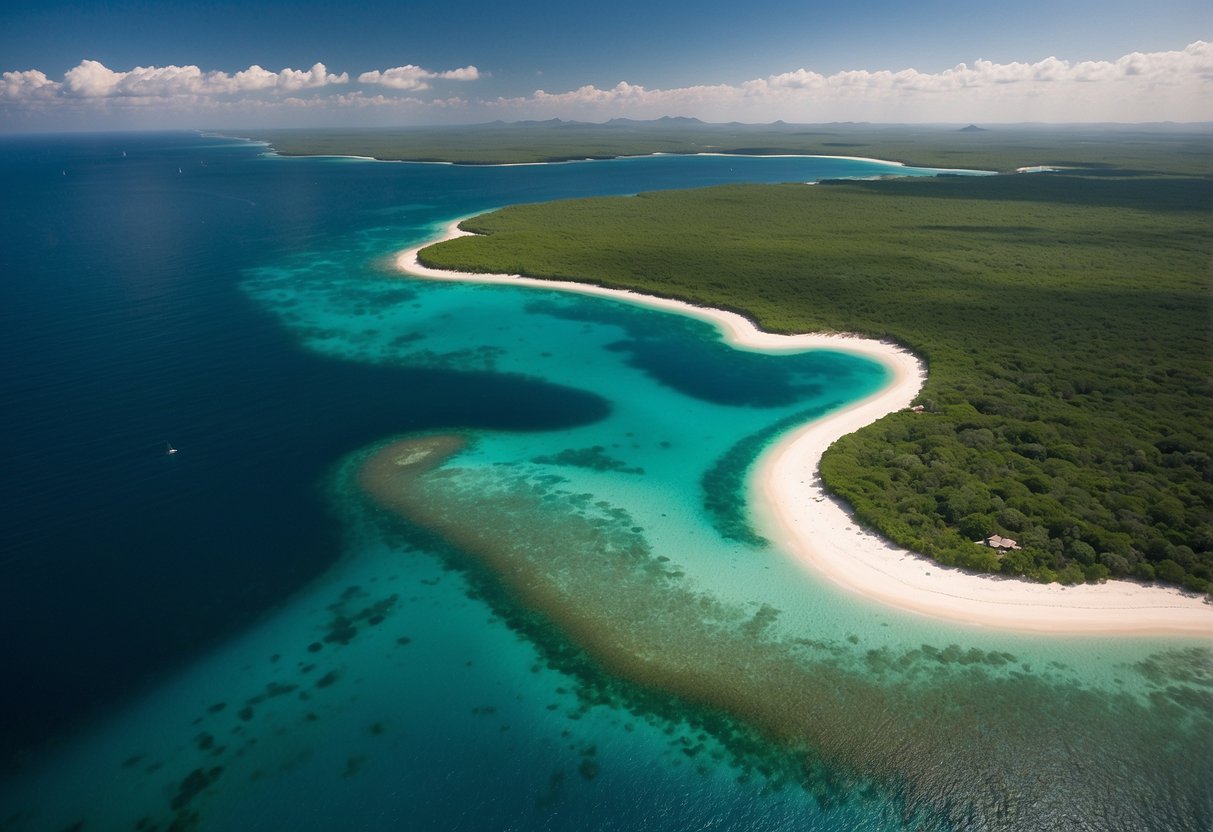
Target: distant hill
(973, 128)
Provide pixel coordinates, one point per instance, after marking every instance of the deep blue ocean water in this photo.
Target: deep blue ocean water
(123, 329)
(232, 637)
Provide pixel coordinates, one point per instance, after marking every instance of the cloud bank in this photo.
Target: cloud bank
(1174, 85)
(1157, 86)
(92, 80)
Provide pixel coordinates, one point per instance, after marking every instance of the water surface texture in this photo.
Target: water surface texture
(447, 556)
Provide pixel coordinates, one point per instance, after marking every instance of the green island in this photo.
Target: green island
(1174, 148)
(1065, 318)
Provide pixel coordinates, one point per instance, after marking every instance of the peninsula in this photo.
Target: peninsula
(819, 530)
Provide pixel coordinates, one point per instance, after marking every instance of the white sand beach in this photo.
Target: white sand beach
(801, 519)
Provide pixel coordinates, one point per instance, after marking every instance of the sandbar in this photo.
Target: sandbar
(794, 511)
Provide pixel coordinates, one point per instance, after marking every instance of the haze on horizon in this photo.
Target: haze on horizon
(127, 65)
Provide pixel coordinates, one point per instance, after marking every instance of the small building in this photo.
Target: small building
(997, 541)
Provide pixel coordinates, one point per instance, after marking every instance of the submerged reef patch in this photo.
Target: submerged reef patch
(594, 458)
(842, 714)
(724, 482)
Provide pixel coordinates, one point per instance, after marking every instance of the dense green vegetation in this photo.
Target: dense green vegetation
(1065, 319)
(1180, 148)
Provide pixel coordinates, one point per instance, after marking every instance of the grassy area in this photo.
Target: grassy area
(1065, 319)
(1179, 149)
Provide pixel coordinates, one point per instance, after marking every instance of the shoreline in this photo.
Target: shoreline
(816, 530)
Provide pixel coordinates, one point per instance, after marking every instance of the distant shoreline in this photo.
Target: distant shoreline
(273, 151)
(1001, 148)
(817, 530)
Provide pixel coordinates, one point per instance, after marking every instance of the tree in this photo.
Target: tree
(977, 526)
(1169, 571)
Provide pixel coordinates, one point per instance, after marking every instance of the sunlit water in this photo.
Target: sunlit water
(446, 556)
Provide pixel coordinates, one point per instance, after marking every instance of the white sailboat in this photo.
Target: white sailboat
(171, 450)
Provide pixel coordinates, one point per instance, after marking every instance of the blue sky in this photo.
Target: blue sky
(702, 49)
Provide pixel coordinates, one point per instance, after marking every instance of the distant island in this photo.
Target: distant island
(1177, 148)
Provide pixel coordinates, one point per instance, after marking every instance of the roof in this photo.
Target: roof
(997, 541)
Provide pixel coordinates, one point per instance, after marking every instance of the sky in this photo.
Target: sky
(131, 64)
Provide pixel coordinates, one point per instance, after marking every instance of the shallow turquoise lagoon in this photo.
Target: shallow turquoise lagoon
(567, 620)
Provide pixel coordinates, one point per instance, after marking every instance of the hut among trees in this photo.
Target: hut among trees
(997, 541)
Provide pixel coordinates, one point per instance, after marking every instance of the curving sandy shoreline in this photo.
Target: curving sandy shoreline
(795, 513)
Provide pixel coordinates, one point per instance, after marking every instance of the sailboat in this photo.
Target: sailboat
(171, 450)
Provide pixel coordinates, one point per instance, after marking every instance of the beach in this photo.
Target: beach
(795, 513)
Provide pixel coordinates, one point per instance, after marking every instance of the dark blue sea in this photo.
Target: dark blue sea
(247, 634)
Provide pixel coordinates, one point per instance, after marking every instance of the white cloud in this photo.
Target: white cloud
(406, 77)
(798, 80)
(290, 80)
(411, 77)
(27, 86)
(463, 73)
(91, 80)
(256, 79)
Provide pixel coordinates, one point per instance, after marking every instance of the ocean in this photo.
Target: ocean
(447, 556)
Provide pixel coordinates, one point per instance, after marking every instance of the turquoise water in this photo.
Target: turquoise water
(557, 615)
